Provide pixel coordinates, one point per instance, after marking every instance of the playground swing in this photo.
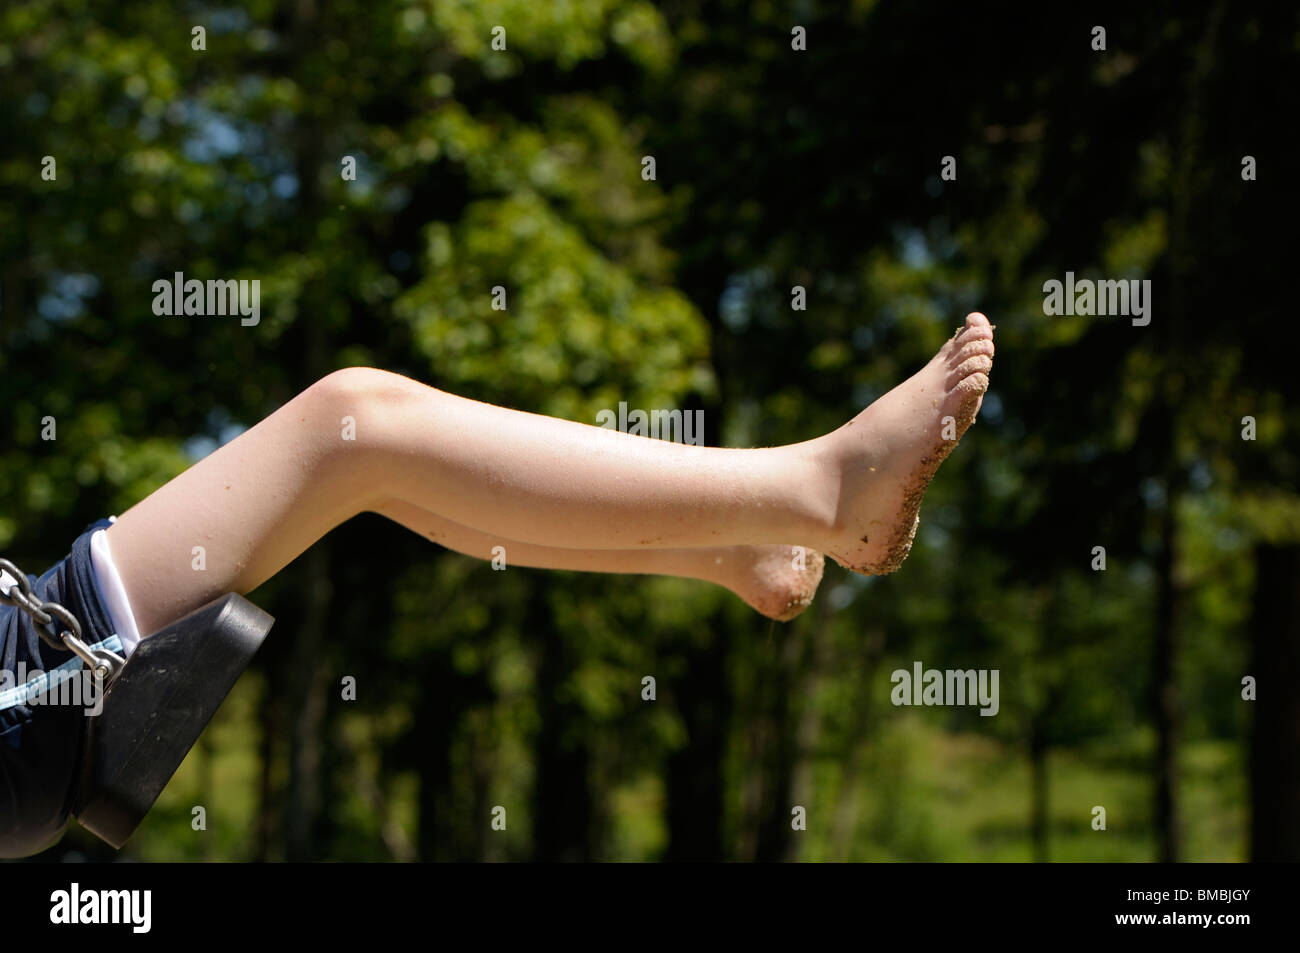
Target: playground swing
(155, 704)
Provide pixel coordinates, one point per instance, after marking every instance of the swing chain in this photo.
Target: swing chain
(104, 663)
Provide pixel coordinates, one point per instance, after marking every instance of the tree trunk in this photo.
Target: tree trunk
(695, 785)
(861, 732)
(1189, 188)
(270, 720)
(306, 686)
(435, 720)
(445, 694)
(562, 818)
(307, 699)
(1039, 792)
(1275, 769)
(785, 664)
(1164, 690)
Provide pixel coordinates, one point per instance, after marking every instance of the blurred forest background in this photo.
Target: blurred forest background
(775, 167)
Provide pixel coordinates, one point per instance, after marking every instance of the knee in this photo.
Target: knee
(358, 415)
(361, 408)
(353, 390)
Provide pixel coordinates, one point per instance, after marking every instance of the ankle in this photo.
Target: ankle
(819, 487)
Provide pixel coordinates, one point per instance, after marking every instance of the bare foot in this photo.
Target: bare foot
(778, 581)
(887, 454)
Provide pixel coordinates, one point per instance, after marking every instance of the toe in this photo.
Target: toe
(978, 365)
(964, 391)
(971, 348)
(979, 332)
(976, 384)
(976, 328)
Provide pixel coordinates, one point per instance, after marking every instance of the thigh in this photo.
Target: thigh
(239, 515)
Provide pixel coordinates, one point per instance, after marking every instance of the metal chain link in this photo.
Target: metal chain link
(102, 662)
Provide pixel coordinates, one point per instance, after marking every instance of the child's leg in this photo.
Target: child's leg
(360, 437)
(778, 581)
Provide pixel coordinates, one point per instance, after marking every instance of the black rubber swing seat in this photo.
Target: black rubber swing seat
(156, 708)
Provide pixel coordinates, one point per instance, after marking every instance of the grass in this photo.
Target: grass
(922, 794)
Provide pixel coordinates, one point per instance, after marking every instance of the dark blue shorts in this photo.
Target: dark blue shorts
(41, 745)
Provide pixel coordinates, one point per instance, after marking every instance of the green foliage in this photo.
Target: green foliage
(521, 169)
